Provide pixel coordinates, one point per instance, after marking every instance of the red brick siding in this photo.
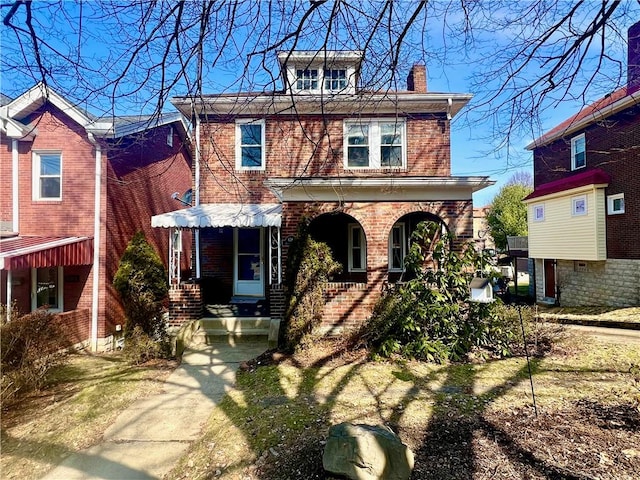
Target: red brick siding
(612, 145)
(185, 303)
(76, 325)
(309, 146)
(6, 187)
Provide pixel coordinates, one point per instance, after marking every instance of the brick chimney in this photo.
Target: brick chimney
(633, 59)
(417, 79)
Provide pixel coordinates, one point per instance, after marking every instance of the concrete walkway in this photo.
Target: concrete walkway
(149, 437)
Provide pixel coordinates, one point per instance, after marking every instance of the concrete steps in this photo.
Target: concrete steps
(230, 330)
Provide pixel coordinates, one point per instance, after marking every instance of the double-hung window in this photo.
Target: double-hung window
(250, 145)
(357, 249)
(307, 79)
(397, 247)
(375, 144)
(47, 176)
(335, 79)
(578, 152)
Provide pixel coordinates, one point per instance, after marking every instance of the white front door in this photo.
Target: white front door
(248, 271)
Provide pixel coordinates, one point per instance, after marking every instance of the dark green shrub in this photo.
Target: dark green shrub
(31, 345)
(140, 347)
(309, 266)
(141, 283)
(429, 316)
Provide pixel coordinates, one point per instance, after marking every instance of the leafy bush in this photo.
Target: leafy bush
(31, 345)
(141, 283)
(140, 347)
(309, 266)
(430, 317)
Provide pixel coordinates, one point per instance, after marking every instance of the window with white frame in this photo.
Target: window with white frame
(307, 79)
(357, 249)
(250, 145)
(397, 247)
(47, 176)
(578, 152)
(46, 285)
(335, 79)
(374, 144)
(615, 204)
(579, 205)
(538, 213)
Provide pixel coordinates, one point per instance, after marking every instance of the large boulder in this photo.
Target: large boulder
(366, 452)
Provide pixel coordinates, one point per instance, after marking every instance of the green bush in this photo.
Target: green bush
(309, 266)
(430, 317)
(31, 345)
(141, 283)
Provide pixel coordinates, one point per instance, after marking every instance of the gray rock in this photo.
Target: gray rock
(366, 452)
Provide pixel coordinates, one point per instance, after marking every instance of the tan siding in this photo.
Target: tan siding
(564, 236)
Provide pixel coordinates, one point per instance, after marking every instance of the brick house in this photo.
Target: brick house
(362, 168)
(74, 191)
(584, 214)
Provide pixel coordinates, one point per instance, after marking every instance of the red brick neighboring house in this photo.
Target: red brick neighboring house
(584, 214)
(74, 191)
(361, 168)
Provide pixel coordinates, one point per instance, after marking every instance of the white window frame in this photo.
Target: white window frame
(576, 202)
(574, 143)
(611, 210)
(37, 176)
(403, 247)
(538, 213)
(309, 81)
(353, 227)
(375, 143)
(240, 146)
(34, 293)
(341, 83)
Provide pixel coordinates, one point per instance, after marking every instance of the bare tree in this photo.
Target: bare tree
(524, 57)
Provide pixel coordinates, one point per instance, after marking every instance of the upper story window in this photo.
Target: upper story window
(47, 176)
(335, 79)
(374, 144)
(538, 213)
(307, 79)
(250, 145)
(578, 152)
(579, 206)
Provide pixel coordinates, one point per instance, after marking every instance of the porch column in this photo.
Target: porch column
(9, 295)
(275, 256)
(175, 250)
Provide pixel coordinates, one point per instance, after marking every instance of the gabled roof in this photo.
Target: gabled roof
(602, 108)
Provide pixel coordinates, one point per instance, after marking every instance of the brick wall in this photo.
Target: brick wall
(309, 146)
(6, 187)
(611, 146)
(185, 303)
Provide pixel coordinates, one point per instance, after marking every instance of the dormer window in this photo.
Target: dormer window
(335, 79)
(307, 79)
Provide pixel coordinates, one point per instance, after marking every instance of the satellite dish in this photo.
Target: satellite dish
(185, 199)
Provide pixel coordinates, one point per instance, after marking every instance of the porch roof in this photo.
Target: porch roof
(222, 215)
(38, 252)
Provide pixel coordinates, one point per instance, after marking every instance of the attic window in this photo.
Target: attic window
(307, 79)
(335, 79)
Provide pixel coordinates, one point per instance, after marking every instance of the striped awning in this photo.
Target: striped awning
(39, 252)
(222, 215)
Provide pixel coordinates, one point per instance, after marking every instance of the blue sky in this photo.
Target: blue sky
(455, 63)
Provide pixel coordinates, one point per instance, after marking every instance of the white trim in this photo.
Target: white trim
(579, 206)
(363, 248)
(239, 124)
(95, 293)
(611, 204)
(36, 176)
(403, 246)
(9, 293)
(252, 288)
(374, 134)
(538, 209)
(59, 284)
(197, 194)
(15, 185)
(574, 142)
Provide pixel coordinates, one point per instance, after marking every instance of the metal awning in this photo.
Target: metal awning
(221, 215)
(39, 252)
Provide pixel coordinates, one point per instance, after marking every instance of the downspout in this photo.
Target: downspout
(197, 188)
(96, 245)
(15, 216)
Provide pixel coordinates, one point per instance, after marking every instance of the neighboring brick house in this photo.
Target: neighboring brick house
(584, 214)
(361, 168)
(75, 189)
